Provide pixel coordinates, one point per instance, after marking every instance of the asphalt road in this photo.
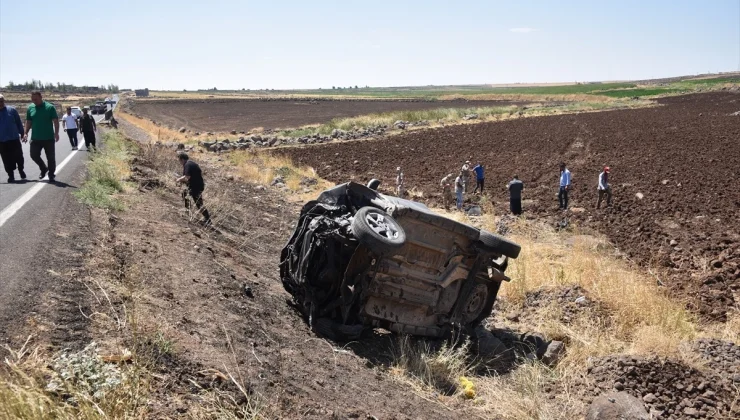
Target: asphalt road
(30, 214)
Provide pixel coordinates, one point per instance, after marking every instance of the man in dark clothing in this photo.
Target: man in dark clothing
(88, 128)
(11, 150)
(43, 123)
(193, 177)
(515, 195)
(479, 178)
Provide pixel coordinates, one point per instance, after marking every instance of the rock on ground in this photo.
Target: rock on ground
(617, 406)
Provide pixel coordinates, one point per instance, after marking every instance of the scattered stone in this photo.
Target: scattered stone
(640, 196)
(617, 405)
(278, 180)
(233, 132)
(581, 300)
(555, 351)
(664, 182)
(650, 398)
(248, 291)
(474, 211)
(690, 411)
(673, 242)
(182, 129)
(470, 117)
(488, 344)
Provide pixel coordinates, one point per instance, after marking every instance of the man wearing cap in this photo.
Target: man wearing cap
(11, 150)
(88, 128)
(446, 184)
(465, 174)
(42, 122)
(399, 182)
(604, 188)
(564, 187)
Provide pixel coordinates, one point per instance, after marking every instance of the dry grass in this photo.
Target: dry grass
(156, 132)
(639, 319)
(262, 167)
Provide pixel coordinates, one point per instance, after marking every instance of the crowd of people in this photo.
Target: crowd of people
(42, 126)
(460, 185)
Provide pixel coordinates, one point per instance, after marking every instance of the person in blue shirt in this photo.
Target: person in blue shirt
(564, 187)
(479, 178)
(11, 150)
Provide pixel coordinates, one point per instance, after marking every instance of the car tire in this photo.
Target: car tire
(499, 245)
(482, 298)
(378, 231)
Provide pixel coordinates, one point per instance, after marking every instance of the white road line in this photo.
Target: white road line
(16, 205)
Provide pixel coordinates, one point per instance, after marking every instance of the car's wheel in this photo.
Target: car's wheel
(480, 303)
(499, 245)
(377, 230)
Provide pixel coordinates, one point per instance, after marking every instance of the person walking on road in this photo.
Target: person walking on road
(11, 151)
(399, 182)
(459, 189)
(446, 184)
(515, 195)
(69, 123)
(88, 128)
(564, 187)
(479, 177)
(42, 120)
(465, 174)
(605, 189)
(193, 177)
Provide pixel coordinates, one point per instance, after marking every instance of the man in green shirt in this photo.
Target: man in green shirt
(43, 123)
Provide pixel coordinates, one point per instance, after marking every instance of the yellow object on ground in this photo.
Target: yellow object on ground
(468, 387)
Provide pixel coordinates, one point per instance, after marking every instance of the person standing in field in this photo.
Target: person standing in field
(43, 123)
(515, 195)
(399, 182)
(479, 177)
(605, 189)
(465, 175)
(446, 184)
(193, 177)
(459, 189)
(11, 151)
(564, 187)
(69, 123)
(88, 128)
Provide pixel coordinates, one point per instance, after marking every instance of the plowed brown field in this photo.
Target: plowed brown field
(682, 157)
(247, 114)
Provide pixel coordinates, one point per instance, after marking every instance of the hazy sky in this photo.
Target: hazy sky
(167, 44)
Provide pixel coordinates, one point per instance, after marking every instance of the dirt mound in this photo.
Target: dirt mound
(682, 158)
(722, 356)
(669, 389)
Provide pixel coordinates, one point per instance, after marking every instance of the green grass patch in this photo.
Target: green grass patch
(107, 169)
(628, 93)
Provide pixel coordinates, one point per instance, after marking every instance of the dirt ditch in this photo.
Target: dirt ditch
(674, 175)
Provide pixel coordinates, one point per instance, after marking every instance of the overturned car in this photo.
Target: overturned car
(359, 259)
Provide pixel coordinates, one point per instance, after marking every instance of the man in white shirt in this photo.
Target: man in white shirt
(605, 189)
(564, 187)
(69, 122)
(399, 182)
(459, 188)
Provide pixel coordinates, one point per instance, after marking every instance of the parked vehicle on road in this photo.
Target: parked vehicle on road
(77, 112)
(359, 259)
(98, 108)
